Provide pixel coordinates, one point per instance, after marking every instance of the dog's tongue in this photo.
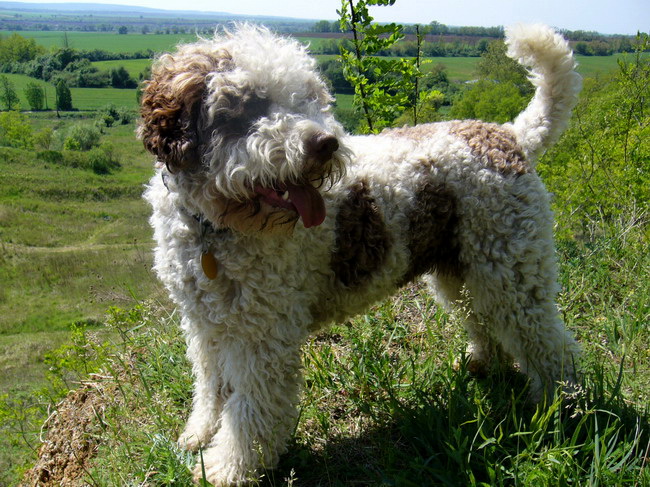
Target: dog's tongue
(309, 204)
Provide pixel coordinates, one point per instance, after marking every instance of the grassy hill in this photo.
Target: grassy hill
(74, 242)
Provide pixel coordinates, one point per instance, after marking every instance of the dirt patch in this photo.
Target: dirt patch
(65, 455)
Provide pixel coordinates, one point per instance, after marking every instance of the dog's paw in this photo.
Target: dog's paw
(475, 365)
(194, 438)
(212, 467)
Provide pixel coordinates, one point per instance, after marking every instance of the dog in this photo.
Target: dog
(272, 222)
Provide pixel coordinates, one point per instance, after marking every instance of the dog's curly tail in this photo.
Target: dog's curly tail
(552, 68)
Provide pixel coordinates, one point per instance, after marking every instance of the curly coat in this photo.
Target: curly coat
(271, 222)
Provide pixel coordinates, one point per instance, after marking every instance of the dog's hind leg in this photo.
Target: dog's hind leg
(514, 298)
(208, 389)
(483, 349)
(262, 378)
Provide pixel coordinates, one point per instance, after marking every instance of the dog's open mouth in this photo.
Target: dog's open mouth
(303, 199)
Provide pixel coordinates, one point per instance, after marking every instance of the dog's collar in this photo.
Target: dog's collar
(206, 229)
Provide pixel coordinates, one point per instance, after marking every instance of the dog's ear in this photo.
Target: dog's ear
(171, 104)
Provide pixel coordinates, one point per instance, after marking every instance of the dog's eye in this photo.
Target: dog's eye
(238, 116)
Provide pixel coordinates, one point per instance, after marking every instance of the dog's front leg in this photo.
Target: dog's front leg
(207, 401)
(261, 380)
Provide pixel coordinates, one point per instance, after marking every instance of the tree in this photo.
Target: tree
(383, 86)
(16, 48)
(35, 95)
(15, 130)
(8, 96)
(63, 96)
(322, 26)
(490, 101)
(495, 65)
(123, 30)
(120, 78)
(501, 91)
(600, 168)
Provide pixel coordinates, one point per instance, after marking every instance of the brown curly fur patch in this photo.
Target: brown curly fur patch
(362, 240)
(432, 241)
(493, 144)
(169, 107)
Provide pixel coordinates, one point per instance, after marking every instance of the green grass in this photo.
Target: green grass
(82, 98)
(70, 248)
(107, 41)
(72, 243)
(20, 81)
(95, 98)
(133, 66)
(384, 404)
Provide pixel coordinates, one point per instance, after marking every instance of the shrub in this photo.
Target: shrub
(8, 96)
(111, 114)
(43, 138)
(100, 160)
(599, 170)
(103, 159)
(51, 156)
(15, 130)
(82, 137)
(63, 96)
(35, 95)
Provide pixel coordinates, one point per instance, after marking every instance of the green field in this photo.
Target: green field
(73, 240)
(133, 66)
(459, 69)
(20, 81)
(94, 98)
(107, 41)
(82, 98)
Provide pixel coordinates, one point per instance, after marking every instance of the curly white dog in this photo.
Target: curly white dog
(247, 146)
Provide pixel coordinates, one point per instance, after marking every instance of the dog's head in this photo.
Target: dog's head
(243, 122)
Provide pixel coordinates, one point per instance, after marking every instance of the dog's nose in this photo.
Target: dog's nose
(322, 146)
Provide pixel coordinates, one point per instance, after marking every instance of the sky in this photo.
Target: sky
(604, 16)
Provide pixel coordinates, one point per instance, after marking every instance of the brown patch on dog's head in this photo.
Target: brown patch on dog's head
(170, 105)
(432, 241)
(236, 110)
(495, 145)
(362, 240)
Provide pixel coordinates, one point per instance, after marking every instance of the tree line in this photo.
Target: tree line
(23, 56)
(466, 41)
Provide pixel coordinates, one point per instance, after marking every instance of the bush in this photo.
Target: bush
(63, 96)
(15, 130)
(103, 159)
(82, 137)
(100, 160)
(35, 95)
(599, 170)
(110, 114)
(43, 138)
(490, 101)
(51, 156)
